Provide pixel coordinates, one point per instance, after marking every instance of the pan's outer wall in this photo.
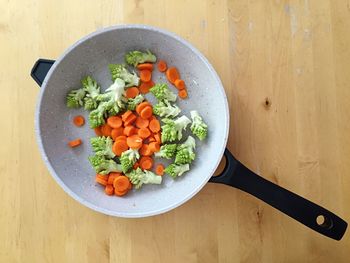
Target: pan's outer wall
(91, 55)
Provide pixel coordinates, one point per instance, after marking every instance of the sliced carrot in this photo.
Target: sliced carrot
(134, 141)
(117, 132)
(152, 118)
(162, 66)
(130, 120)
(154, 146)
(145, 151)
(141, 106)
(78, 120)
(160, 169)
(75, 143)
(132, 92)
(126, 115)
(119, 147)
(98, 131)
(106, 130)
(146, 112)
(146, 86)
(121, 137)
(154, 126)
(180, 84)
(109, 189)
(121, 183)
(145, 75)
(114, 122)
(183, 94)
(144, 133)
(143, 66)
(146, 162)
(158, 137)
(141, 123)
(172, 74)
(111, 177)
(136, 165)
(101, 179)
(120, 193)
(130, 130)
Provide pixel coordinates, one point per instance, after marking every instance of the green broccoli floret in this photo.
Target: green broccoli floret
(128, 159)
(162, 92)
(172, 129)
(132, 103)
(138, 178)
(136, 57)
(97, 116)
(103, 165)
(165, 109)
(175, 170)
(75, 98)
(92, 91)
(102, 146)
(167, 151)
(198, 127)
(185, 152)
(119, 71)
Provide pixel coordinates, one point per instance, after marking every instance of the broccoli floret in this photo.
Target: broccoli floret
(128, 159)
(172, 129)
(75, 98)
(102, 146)
(103, 165)
(92, 91)
(162, 92)
(167, 151)
(175, 170)
(139, 177)
(132, 103)
(136, 57)
(96, 117)
(185, 152)
(165, 109)
(198, 127)
(119, 71)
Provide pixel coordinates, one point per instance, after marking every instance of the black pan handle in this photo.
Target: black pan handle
(40, 69)
(237, 175)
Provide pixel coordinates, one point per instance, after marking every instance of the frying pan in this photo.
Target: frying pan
(70, 168)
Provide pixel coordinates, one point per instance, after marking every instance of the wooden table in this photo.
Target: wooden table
(285, 66)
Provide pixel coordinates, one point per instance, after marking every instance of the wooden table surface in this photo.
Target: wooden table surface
(285, 66)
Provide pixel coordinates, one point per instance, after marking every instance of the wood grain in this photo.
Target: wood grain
(285, 68)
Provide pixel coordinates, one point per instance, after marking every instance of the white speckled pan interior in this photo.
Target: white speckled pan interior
(91, 56)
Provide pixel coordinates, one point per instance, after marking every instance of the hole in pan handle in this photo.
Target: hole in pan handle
(306, 212)
(40, 69)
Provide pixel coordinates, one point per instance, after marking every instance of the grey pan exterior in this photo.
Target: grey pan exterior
(91, 55)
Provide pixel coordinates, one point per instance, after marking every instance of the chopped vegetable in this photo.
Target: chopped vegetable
(141, 123)
(106, 130)
(183, 94)
(198, 127)
(92, 91)
(146, 112)
(185, 152)
(75, 98)
(134, 141)
(78, 120)
(117, 132)
(128, 159)
(145, 75)
(114, 122)
(148, 66)
(75, 143)
(146, 162)
(160, 169)
(162, 66)
(119, 71)
(119, 146)
(162, 92)
(165, 109)
(180, 84)
(144, 133)
(101, 179)
(167, 151)
(136, 57)
(103, 165)
(121, 183)
(175, 170)
(102, 146)
(132, 103)
(172, 74)
(132, 92)
(139, 177)
(154, 125)
(172, 129)
(109, 190)
(146, 86)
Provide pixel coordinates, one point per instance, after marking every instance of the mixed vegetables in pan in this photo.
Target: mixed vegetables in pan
(131, 133)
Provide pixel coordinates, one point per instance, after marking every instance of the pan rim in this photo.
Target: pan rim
(88, 203)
